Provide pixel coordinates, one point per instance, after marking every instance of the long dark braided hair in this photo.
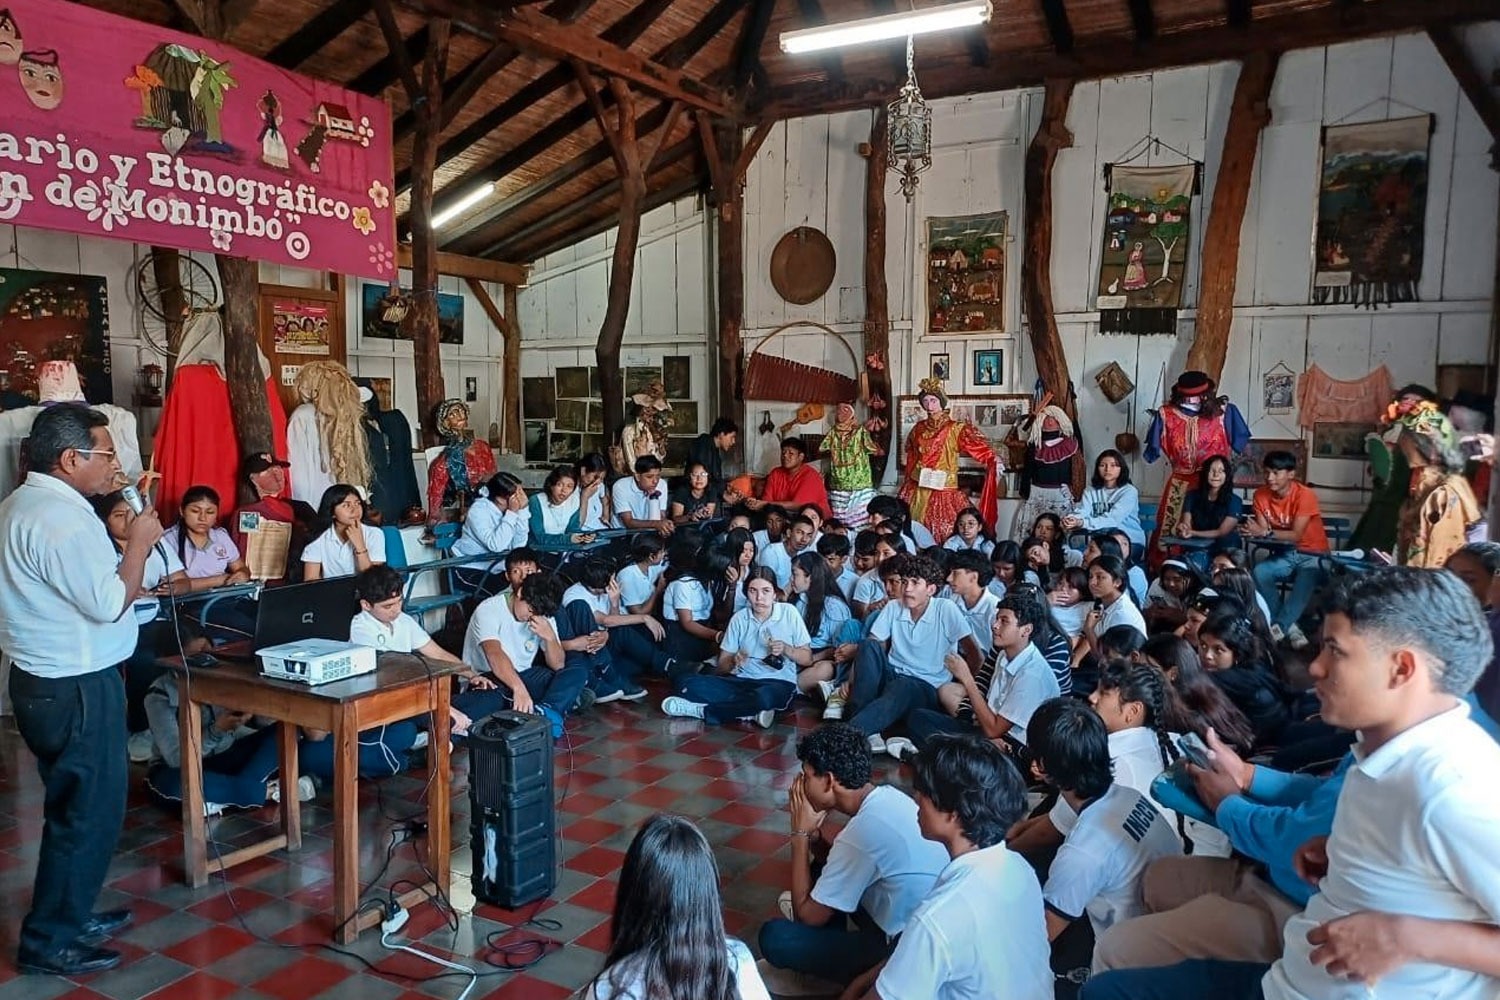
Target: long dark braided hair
(1146, 686)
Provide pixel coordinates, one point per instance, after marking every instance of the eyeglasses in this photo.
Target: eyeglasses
(96, 451)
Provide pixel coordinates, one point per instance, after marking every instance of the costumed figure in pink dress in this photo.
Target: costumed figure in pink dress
(1194, 426)
(933, 448)
(455, 475)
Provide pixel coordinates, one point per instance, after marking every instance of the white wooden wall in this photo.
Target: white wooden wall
(479, 356)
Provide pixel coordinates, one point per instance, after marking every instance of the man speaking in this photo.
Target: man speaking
(65, 621)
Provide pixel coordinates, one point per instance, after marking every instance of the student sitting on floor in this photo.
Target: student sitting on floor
(641, 580)
(775, 518)
(777, 556)
(687, 604)
(503, 639)
(968, 581)
(835, 550)
(758, 660)
(1117, 832)
(1006, 568)
(871, 550)
(667, 938)
(1408, 881)
(1071, 601)
(879, 868)
(900, 666)
(825, 613)
(633, 638)
(980, 931)
(998, 698)
(970, 534)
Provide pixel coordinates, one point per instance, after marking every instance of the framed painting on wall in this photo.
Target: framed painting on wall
(50, 316)
(538, 398)
(1247, 471)
(677, 376)
(573, 383)
(1341, 440)
(536, 447)
(966, 273)
(380, 325)
(989, 368)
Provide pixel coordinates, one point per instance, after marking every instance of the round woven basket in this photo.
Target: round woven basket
(802, 265)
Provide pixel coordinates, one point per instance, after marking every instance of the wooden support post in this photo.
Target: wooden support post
(167, 270)
(1249, 112)
(877, 325)
(727, 158)
(1051, 136)
(428, 102)
(510, 387)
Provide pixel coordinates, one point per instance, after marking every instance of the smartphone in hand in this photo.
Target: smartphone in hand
(1195, 750)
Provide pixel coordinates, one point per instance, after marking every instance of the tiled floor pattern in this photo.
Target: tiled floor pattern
(252, 938)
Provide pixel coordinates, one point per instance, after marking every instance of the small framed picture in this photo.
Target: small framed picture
(941, 368)
(989, 367)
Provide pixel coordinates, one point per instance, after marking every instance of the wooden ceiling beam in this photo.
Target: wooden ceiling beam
(459, 266)
(530, 32)
(813, 17)
(387, 69)
(1293, 29)
(1059, 27)
(1238, 12)
(608, 220)
(1484, 99)
(539, 142)
(623, 32)
(1142, 19)
(748, 68)
(320, 29)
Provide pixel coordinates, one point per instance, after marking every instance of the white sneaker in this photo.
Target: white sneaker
(420, 743)
(827, 688)
(784, 904)
(140, 747)
(877, 743)
(307, 789)
(765, 718)
(681, 708)
(899, 747)
(1296, 638)
(604, 699)
(834, 710)
(790, 983)
(213, 808)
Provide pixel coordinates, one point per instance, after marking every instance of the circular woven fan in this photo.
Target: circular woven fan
(802, 265)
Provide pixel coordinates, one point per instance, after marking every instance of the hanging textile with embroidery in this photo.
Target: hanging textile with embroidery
(1322, 398)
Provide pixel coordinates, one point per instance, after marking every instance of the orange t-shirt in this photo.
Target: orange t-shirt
(1280, 512)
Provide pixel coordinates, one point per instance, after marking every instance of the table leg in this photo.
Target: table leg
(345, 823)
(291, 806)
(439, 836)
(194, 828)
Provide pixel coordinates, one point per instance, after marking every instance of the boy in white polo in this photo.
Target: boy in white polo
(900, 666)
(1118, 833)
(979, 933)
(1408, 900)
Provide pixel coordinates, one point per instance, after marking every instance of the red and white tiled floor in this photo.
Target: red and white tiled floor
(255, 936)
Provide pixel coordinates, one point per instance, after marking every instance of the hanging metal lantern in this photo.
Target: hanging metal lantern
(909, 133)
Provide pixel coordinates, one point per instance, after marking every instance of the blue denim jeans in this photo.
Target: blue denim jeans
(879, 696)
(1306, 575)
(382, 751)
(235, 777)
(837, 951)
(728, 698)
(1183, 981)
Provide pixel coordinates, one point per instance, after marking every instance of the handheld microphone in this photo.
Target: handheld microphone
(132, 498)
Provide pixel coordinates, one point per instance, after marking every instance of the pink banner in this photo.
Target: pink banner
(122, 129)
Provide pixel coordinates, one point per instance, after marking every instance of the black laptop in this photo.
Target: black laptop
(318, 610)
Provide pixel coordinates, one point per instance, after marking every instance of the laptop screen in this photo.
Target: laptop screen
(318, 610)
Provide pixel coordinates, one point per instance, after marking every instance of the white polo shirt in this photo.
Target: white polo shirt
(981, 619)
(630, 499)
(62, 602)
(494, 620)
(1122, 612)
(1099, 866)
(598, 603)
(847, 579)
(403, 635)
(980, 934)
(1019, 688)
(753, 637)
(835, 614)
(626, 979)
(778, 560)
(881, 861)
(868, 588)
(1414, 833)
(687, 594)
(487, 528)
(337, 558)
(919, 647)
(1135, 757)
(158, 569)
(635, 585)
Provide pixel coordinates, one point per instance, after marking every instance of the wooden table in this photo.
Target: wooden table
(401, 687)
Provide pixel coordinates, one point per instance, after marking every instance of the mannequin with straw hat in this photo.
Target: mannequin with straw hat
(933, 448)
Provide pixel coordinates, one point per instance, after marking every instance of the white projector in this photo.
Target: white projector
(316, 661)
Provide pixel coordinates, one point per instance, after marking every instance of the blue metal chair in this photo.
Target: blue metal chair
(444, 537)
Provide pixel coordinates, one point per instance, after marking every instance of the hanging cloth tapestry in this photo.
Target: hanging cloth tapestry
(1372, 201)
(1145, 248)
(1323, 399)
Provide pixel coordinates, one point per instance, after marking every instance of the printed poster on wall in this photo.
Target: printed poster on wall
(384, 317)
(300, 329)
(47, 316)
(1144, 260)
(966, 273)
(123, 129)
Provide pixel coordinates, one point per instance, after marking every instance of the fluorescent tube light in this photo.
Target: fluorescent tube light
(462, 205)
(887, 26)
